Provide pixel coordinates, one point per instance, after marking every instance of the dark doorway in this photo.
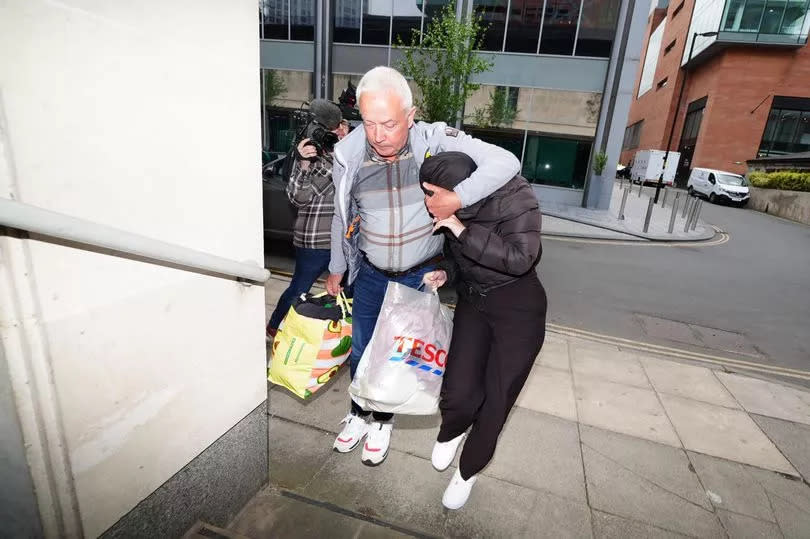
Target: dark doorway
(689, 136)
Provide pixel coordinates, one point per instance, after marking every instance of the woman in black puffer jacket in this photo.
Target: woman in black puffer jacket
(499, 324)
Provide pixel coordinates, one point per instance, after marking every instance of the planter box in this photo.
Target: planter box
(793, 205)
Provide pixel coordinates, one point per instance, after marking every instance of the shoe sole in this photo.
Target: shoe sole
(372, 463)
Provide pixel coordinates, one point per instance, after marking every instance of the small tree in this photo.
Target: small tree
(499, 112)
(599, 162)
(274, 86)
(442, 62)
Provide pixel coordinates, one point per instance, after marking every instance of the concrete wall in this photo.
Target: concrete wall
(793, 205)
(142, 116)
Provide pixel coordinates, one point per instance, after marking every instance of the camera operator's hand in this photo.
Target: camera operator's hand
(305, 152)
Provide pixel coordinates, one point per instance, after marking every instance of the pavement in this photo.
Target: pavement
(604, 441)
(573, 221)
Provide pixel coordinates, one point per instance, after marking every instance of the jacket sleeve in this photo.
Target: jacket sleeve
(304, 185)
(513, 250)
(337, 259)
(496, 166)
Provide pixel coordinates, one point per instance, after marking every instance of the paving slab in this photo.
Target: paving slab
(745, 527)
(722, 432)
(732, 487)
(665, 466)
(297, 453)
(623, 370)
(554, 353)
(792, 439)
(688, 381)
(495, 509)
(621, 408)
(323, 410)
(271, 514)
(618, 491)
(794, 523)
(541, 452)
(769, 398)
(607, 526)
(788, 488)
(415, 435)
(549, 391)
(405, 490)
(555, 518)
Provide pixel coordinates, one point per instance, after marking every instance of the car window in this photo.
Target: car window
(711, 178)
(731, 179)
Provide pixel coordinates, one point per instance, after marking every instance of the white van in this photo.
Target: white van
(718, 185)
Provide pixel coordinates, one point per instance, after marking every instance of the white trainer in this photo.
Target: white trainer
(351, 435)
(458, 491)
(444, 452)
(377, 441)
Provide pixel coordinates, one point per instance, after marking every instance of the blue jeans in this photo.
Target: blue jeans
(369, 292)
(309, 265)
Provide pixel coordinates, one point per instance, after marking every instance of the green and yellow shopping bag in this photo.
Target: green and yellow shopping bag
(313, 341)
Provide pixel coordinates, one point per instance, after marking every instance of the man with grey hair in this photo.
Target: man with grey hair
(382, 230)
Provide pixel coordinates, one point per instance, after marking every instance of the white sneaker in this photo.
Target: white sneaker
(352, 434)
(376, 447)
(457, 492)
(445, 452)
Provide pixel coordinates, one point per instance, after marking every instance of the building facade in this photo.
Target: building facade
(558, 61)
(746, 77)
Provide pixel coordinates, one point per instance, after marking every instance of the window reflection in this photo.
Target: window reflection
(376, 22)
(302, 20)
(787, 131)
(493, 18)
(407, 18)
(524, 25)
(276, 19)
(347, 21)
(597, 27)
(559, 27)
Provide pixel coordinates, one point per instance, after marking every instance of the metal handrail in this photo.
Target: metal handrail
(30, 218)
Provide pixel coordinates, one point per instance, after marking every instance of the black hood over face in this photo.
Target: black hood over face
(447, 170)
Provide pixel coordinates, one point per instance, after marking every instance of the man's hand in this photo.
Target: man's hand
(451, 223)
(333, 283)
(442, 203)
(435, 279)
(305, 152)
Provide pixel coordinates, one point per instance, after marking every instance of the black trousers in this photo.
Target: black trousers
(496, 339)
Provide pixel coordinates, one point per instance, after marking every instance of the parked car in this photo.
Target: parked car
(279, 214)
(718, 185)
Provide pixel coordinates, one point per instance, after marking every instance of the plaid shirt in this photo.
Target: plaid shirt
(313, 193)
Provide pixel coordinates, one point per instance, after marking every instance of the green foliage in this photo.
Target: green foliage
(787, 180)
(274, 86)
(599, 162)
(443, 62)
(499, 113)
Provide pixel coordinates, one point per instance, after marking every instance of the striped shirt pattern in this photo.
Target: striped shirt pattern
(313, 193)
(396, 230)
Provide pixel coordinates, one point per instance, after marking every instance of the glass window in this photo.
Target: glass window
(597, 28)
(632, 135)
(276, 19)
(556, 161)
(376, 22)
(785, 131)
(523, 30)
(795, 14)
(751, 16)
(407, 18)
(302, 20)
(772, 17)
(493, 18)
(347, 21)
(559, 27)
(508, 139)
(433, 9)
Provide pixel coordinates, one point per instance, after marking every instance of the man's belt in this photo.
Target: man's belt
(396, 274)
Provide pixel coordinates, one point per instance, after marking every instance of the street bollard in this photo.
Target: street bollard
(640, 187)
(674, 213)
(647, 217)
(687, 205)
(688, 222)
(624, 201)
(697, 214)
(664, 200)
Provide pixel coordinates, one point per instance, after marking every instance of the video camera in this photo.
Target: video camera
(317, 124)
